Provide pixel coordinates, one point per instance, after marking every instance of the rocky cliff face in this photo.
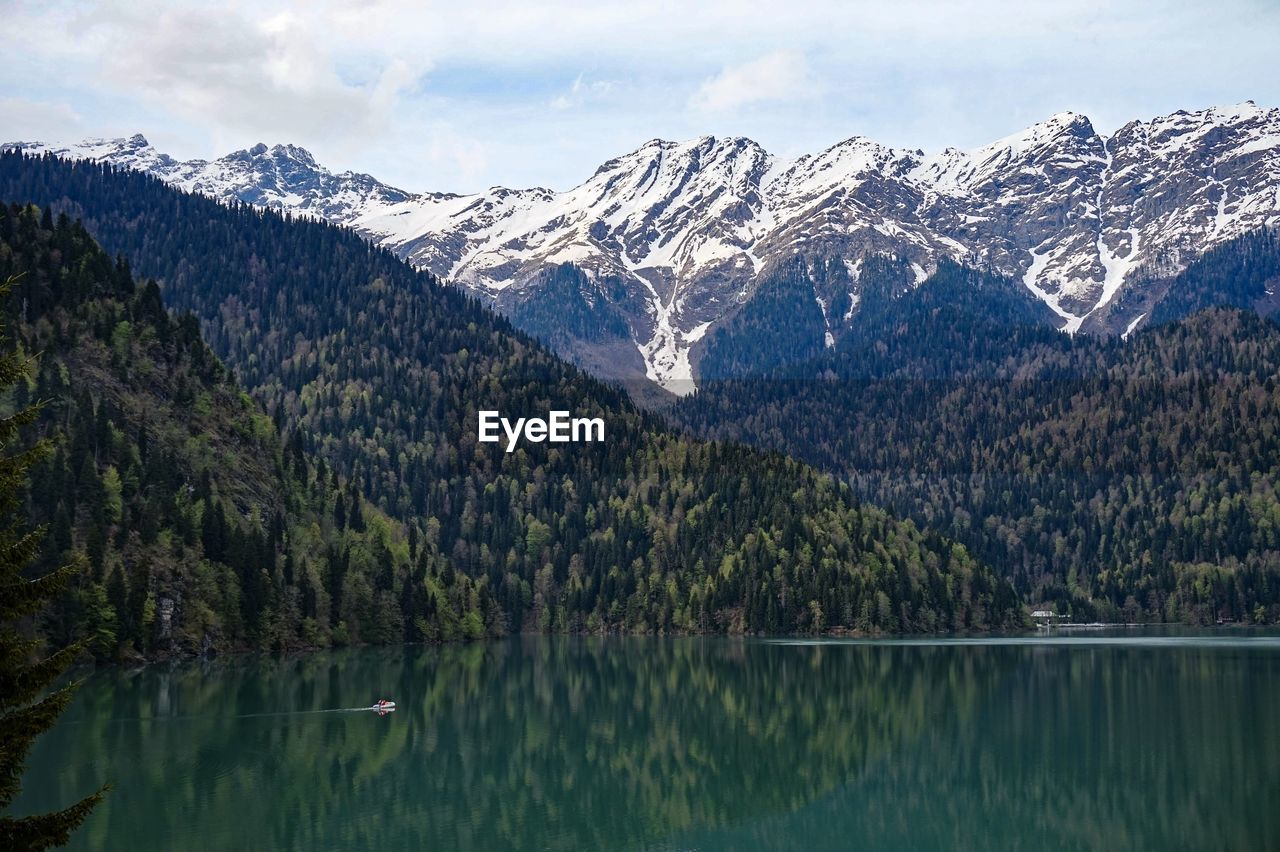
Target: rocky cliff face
(675, 237)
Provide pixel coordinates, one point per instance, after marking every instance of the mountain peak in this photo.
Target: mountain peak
(1044, 132)
(698, 143)
(285, 151)
(294, 152)
(863, 145)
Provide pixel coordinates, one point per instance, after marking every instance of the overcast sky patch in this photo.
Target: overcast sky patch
(457, 97)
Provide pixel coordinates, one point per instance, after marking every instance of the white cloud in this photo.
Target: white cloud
(581, 92)
(27, 120)
(236, 70)
(778, 76)
(461, 157)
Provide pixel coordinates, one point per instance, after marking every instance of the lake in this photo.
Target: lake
(1137, 740)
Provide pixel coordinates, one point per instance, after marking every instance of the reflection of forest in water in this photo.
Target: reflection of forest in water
(1072, 748)
(574, 744)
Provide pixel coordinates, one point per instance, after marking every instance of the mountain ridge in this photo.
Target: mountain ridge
(681, 233)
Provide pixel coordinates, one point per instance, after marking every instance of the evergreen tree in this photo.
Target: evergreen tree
(26, 715)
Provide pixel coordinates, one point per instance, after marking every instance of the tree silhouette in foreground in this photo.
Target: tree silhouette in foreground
(22, 678)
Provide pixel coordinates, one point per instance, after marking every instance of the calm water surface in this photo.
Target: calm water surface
(1131, 741)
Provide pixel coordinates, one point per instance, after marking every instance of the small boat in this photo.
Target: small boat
(383, 706)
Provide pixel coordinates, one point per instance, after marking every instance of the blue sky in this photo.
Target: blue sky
(464, 95)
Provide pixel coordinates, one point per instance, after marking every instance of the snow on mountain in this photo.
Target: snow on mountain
(678, 234)
(283, 177)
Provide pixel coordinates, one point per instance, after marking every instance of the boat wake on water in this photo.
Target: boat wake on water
(381, 707)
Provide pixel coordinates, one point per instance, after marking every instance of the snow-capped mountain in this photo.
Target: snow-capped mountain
(675, 236)
(284, 177)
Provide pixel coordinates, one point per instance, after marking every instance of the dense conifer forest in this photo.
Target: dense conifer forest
(1244, 274)
(365, 482)
(804, 305)
(780, 324)
(197, 521)
(1115, 479)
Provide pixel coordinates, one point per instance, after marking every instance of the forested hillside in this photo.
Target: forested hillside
(1118, 479)
(783, 331)
(197, 523)
(780, 324)
(381, 371)
(1244, 273)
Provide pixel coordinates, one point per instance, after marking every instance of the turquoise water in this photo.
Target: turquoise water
(1129, 741)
